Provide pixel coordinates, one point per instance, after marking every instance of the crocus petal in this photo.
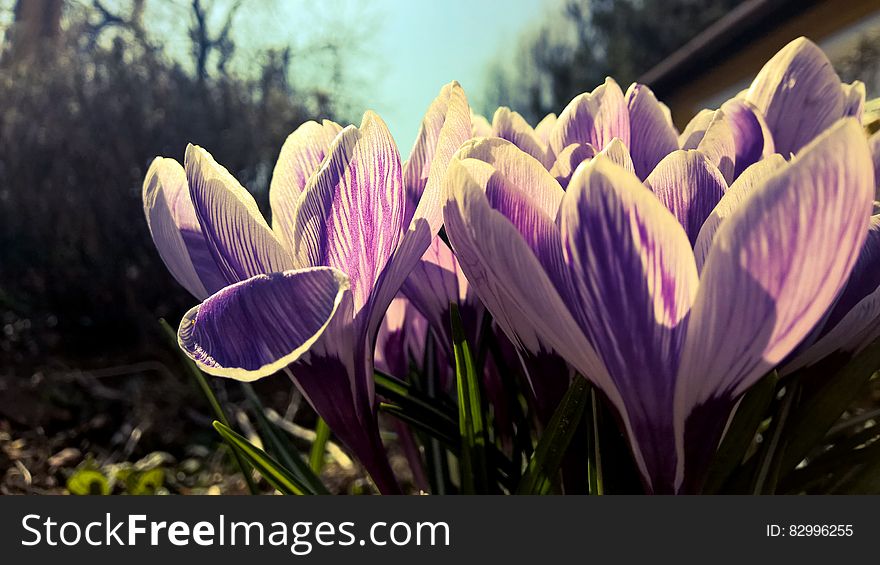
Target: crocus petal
(511, 126)
(537, 228)
(237, 235)
(799, 95)
(254, 328)
(854, 99)
(428, 216)
(544, 129)
(175, 229)
(444, 112)
(690, 186)
(596, 118)
(711, 133)
(401, 338)
(653, 135)
(300, 157)
(774, 268)
(336, 377)
(617, 153)
(750, 133)
(695, 129)
(634, 280)
(504, 270)
(569, 159)
(350, 215)
(523, 172)
(434, 283)
(856, 311)
(738, 192)
(480, 126)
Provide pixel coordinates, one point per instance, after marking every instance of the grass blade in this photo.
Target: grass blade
(280, 447)
(741, 433)
(446, 436)
(544, 464)
(417, 404)
(825, 399)
(216, 408)
(594, 457)
(319, 447)
(275, 474)
(474, 476)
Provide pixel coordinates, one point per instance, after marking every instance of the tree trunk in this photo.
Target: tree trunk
(37, 26)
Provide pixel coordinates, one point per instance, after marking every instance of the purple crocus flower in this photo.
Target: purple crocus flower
(796, 96)
(309, 294)
(800, 96)
(854, 321)
(401, 338)
(511, 126)
(604, 274)
(436, 282)
(732, 138)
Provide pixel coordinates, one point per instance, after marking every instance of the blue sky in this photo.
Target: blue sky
(422, 45)
(401, 52)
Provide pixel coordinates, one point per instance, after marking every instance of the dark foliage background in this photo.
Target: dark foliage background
(87, 102)
(583, 41)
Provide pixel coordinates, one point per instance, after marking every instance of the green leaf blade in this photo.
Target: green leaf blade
(741, 433)
(319, 447)
(274, 473)
(547, 458)
(474, 475)
(279, 446)
(219, 413)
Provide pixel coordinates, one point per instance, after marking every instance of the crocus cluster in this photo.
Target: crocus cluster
(672, 270)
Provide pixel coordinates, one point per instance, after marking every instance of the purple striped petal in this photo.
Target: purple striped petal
(596, 118)
(428, 216)
(236, 234)
(856, 310)
(544, 129)
(442, 112)
(435, 283)
(480, 126)
(175, 229)
(774, 268)
(733, 198)
(711, 133)
(518, 169)
(653, 136)
(799, 95)
(518, 187)
(690, 186)
(695, 129)
(501, 266)
(511, 126)
(854, 100)
(401, 339)
(300, 157)
(568, 160)
(351, 213)
(617, 153)
(634, 280)
(751, 135)
(336, 377)
(257, 327)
